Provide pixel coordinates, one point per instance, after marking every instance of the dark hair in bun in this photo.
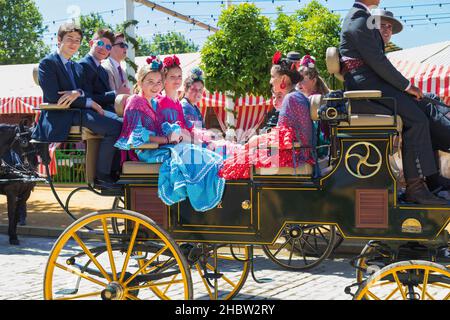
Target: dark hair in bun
(288, 68)
(284, 66)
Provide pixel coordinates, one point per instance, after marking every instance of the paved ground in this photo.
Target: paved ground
(22, 273)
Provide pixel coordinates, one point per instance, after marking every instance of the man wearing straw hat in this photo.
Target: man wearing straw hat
(366, 67)
(438, 115)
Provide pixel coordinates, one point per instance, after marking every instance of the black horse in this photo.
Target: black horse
(17, 179)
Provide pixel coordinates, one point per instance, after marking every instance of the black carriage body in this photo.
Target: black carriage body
(359, 196)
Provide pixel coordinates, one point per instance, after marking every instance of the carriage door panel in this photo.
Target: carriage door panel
(233, 213)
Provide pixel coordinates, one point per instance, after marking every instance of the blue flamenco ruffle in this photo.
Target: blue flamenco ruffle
(191, 172)
(139, 136)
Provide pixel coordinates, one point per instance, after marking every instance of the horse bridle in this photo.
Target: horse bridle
(21, 137)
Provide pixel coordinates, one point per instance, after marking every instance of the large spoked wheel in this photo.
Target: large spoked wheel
(92, 261)
(407, 280)
(220, 271)
(302, 246)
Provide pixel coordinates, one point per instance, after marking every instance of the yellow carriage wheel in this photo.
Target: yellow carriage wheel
(92, 261)
(407, 280)
(220, 273)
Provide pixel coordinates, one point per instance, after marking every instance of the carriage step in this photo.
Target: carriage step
(213, 276)
(65, 292)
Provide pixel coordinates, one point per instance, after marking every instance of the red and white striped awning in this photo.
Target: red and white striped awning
(22, 105)
(428, 77)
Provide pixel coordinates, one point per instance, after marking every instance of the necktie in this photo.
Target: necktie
(121, 74)
(70, 72)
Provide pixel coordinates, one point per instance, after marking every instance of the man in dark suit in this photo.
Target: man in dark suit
(61, 80)
(97, 83)
(366, 67)
(438, 115)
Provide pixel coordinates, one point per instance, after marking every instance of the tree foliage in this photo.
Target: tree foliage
(21, 32)
(237, 58)
(310, 30)
(171, 43)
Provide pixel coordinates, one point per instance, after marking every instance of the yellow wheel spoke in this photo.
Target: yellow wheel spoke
(80, 296)
(91, 256)
(426, 293)
(442, 285)
(108, 247)
(230, 258)
(172, 281)
(130, 249)
(205, 283)
(144, 266)
(82, 275)
(151, 285)
(131, 297)
(372, 295)
(400, 286)
(447, 297)
(210, 267)
(425, 282)
(392, 293)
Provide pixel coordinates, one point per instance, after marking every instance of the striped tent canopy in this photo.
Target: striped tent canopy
(250, 111)
(427, 67)
(22, 105)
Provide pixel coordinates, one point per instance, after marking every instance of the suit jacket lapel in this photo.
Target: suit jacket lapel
(99, 71)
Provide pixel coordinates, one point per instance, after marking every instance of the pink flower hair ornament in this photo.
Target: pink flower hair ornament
(308, 61)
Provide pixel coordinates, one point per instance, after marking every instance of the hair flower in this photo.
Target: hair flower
(154, 62)
(277, 57)
(197, 74)
(308, 61)
(172, 61)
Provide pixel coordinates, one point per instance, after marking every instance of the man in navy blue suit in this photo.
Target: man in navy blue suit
(96, 82)
(61, 80)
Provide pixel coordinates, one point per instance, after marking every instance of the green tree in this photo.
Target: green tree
(21, 32)
(171, 43)
(237, 58)
(310, 30)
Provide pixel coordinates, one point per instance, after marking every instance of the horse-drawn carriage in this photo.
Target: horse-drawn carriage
(143, 249)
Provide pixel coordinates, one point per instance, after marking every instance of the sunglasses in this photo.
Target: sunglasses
(123, 45)
(100, 43)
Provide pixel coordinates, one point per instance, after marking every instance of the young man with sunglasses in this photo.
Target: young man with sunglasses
(96, 77)
(117, 75)
(61, 81)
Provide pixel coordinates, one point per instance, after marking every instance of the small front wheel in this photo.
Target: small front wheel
(302, 246)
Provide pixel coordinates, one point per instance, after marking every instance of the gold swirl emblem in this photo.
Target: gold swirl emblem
(363, 160)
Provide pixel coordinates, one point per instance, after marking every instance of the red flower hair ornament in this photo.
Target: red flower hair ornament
(172, 61)
(277, 57)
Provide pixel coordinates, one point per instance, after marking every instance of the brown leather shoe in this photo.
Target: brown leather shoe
(417, 192)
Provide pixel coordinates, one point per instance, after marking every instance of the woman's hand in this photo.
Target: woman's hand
(68, 97)
(175, 137)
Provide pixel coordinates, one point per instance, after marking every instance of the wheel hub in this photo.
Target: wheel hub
(114, 291)
(295, 232)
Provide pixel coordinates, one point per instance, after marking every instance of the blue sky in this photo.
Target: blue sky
(418, 31)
